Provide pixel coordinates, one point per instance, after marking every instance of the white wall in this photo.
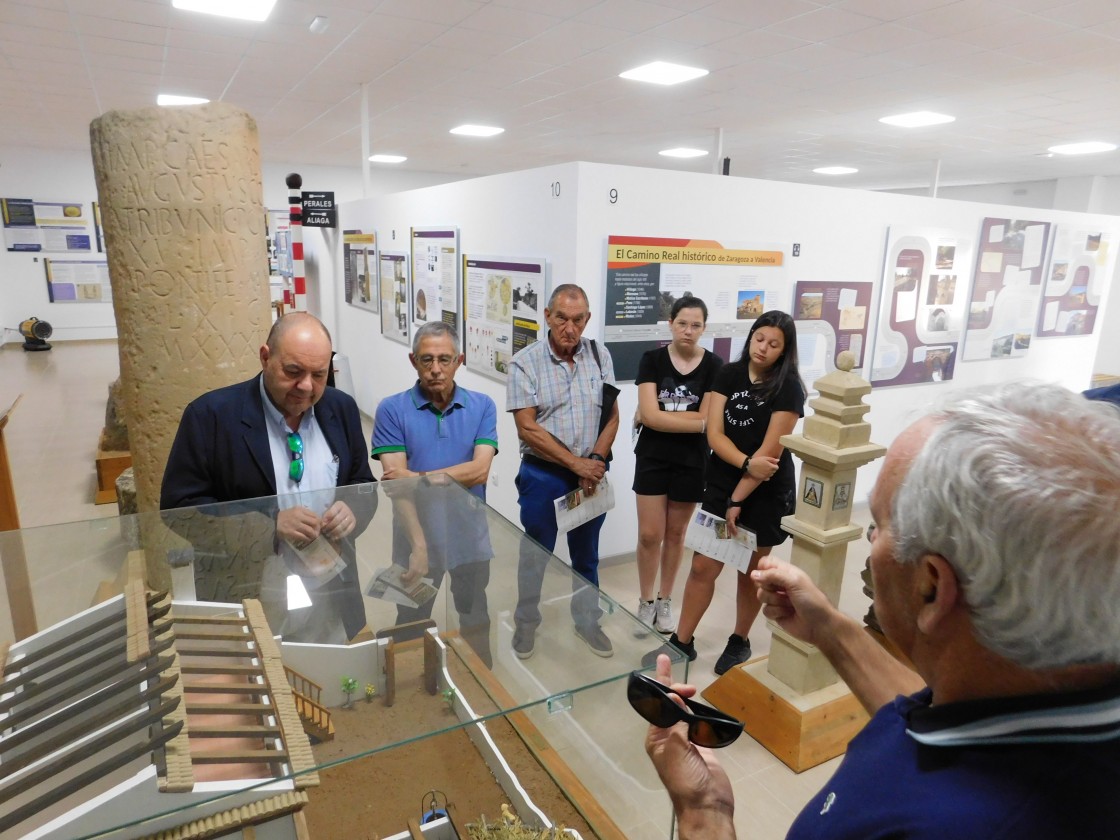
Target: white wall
(841, 232)
(1019, 194)
(68, 176)
(1090, 194)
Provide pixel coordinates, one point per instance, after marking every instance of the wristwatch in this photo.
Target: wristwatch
(595, 456)
(732, 503)
(747, 465)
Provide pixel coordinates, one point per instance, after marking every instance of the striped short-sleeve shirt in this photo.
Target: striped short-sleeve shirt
(568, 398)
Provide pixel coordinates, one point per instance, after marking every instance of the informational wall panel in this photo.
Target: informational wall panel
(435, 276)
(504, 309)
(831, 317)
(359, 267)
(393, 276)
(1081, 262)
(922, 306)
(78, 281)
(57, 226)
(1006, 288)
(647, 275)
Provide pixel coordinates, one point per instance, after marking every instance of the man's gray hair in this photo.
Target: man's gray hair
(435, 329)
(1018, 488)
(567, 290)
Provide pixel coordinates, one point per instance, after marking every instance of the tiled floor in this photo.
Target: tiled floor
(52, 440)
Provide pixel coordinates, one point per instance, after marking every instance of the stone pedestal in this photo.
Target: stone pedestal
(184, 220)
(795, 705)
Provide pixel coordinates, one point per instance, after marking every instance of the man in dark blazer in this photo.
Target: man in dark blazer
(281, 434)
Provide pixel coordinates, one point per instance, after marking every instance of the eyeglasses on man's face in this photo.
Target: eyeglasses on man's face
(426, 362)
(295, 448)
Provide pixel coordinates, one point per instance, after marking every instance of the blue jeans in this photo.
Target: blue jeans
(537, 487)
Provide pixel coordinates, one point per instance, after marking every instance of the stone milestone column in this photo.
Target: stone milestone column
(181, 204)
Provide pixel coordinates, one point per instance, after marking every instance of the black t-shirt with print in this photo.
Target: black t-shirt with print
(676, 391)
(745, 421)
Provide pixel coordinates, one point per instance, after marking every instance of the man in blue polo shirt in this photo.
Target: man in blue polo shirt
(438, 428)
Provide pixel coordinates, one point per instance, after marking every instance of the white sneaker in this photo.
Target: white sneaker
(663, 619)
(646, 614)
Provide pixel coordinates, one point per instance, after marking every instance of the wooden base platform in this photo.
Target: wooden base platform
(109, 466)
(802, 731)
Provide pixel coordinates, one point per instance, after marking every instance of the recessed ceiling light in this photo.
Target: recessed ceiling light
(1088, 148)
(682, 152)
(664, 73)
(387, 158)
(319, 24)
(241, 9)
(836, 170)
(477, 130)
(169, 99)
(917, 119)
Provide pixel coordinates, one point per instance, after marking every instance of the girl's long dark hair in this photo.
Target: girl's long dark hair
(786, 366)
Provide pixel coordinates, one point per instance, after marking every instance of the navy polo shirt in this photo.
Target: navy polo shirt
(1019, 768)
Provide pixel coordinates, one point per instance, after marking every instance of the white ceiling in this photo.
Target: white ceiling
(794, 84)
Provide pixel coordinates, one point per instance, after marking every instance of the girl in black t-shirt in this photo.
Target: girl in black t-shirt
(751, 478)
(673, 386)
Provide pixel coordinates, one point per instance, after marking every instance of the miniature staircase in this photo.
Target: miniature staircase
(315, 716)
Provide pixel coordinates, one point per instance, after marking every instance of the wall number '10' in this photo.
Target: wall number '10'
(555, 187)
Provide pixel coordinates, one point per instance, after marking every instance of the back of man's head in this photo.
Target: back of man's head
(1017, 487)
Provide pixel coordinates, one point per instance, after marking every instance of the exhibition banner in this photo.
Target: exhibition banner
(359, 269)
(504, 299)
(1081, 264)
(395, 295)
(435, 276)
(831, 317)
(78, 281)
(35, 226)
(922, 306)
(646, 275)
(1006, 288)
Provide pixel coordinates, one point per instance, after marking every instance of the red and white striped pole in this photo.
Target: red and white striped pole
(295, 217)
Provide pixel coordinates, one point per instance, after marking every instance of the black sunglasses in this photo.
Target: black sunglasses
(707, 727)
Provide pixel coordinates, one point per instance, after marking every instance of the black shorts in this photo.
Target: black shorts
(655, 477)
(762, 512)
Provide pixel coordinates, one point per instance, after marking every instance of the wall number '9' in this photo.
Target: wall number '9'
(555, 187)
(613, 196)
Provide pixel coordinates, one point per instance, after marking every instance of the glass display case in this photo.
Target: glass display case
(226, 664)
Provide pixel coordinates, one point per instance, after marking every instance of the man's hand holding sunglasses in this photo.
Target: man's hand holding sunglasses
(698, 786)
